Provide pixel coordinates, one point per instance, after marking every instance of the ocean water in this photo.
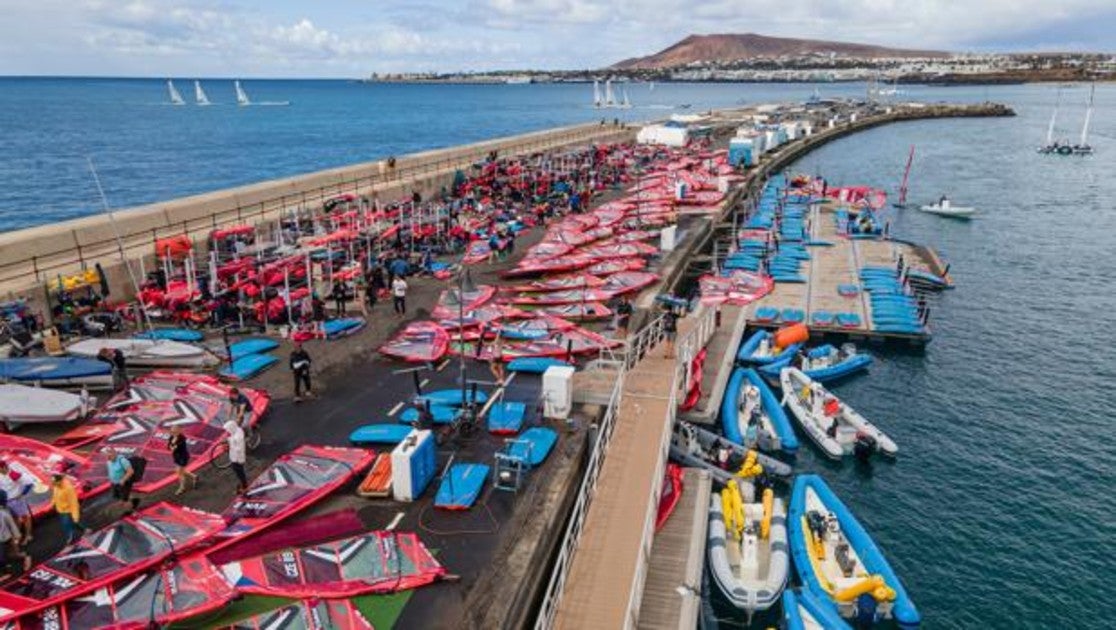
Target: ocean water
(996, 514)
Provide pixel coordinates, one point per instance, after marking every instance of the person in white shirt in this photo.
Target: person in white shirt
(399, 295)
(237, 453)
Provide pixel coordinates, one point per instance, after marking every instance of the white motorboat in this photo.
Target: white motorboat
(836, 427)
(748, 555)
(945, 208)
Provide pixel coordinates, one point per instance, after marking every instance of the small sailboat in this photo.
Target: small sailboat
(1082, 147)
(610, 100)
(625, 103)
(1051, 147)
(199, 94)
(902, 203)
(597, 94)
(175, 97)
(241, 95)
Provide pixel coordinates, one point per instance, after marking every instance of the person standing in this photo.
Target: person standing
(399, 296)
(63, 496)
(670, 330)
(10, 539)
(238, 454)
(496, 364)
(300, 368)
(16, 486)
(338, 295)
(623, 317)
(180, 454)
(121, 475)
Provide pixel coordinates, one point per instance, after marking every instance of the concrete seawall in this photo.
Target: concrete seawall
(30, 257)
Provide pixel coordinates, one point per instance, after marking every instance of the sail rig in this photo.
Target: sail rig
(906, 177)
(199, 94)
(175, 97)
(241, 95)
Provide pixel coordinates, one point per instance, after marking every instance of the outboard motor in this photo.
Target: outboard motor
(865, 611)
(864, 447)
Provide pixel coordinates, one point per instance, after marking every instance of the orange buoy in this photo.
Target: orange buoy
(795, 333)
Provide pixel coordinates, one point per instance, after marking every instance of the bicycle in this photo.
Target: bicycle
(252, 439)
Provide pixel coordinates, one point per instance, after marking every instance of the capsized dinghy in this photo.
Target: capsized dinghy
(747, 547)
(837, 560)
(834, 426)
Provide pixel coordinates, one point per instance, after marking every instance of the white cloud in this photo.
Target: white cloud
(353, 37)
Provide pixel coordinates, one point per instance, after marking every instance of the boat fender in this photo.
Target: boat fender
(732, 508)
(768, 508)
(873, 585)
(750, 468)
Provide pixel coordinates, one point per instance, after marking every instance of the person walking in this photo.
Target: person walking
(10, 538)
(670, 331)
(121, 476)
(64, 499)
(338, 295)
(399, 296)
(16, 486)
(300, 367)
(496, 364)
(180, 454)
(238, 454)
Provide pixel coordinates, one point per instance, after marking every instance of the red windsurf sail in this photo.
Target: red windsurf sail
(307, 615)
(130, 546)
(375, 562)
(739, 287)
(35, 463)
(291, 484)
(190, 588)
(420, 342)
(452, 301)
(200, 408)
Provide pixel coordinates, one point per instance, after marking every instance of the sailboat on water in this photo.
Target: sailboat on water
(1052, 147)
(597, 93)
(902, 203)
(610, 100)
(625, 103)
(1082, 147)
(175, 97)
(241, 95)
(199, 94)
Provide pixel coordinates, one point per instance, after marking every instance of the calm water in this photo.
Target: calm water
(997, 512)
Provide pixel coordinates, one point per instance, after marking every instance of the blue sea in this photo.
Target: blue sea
(996, 514)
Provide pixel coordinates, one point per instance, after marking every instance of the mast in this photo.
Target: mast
(596, 93)
(906, 176)
(1053, 117)
(1088, 116)
(609, 100)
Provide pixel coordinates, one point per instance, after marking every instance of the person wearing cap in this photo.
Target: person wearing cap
(120, 474)
(241, 406)
(10, 538)
(16, 487)
(64, 498)
(238, 455)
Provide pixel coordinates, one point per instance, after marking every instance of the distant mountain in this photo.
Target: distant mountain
(733, 47)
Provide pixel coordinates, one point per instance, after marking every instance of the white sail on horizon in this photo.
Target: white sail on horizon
(610, 100)
(175, 97)
(241, 95)
(199, 94)
(1088, 117)
(596, 93)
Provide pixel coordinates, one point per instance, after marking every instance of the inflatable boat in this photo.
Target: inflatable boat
(759, 349)
(834, 426)
(693, 446)
(752, 416)
(824, 363)
(803, 611)
(839, 563)
(747, 548)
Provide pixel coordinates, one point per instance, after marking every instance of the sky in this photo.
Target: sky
(354, 38)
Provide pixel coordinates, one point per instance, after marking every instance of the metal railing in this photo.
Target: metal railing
(25, 273)
(553, 594)
(638, 347)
